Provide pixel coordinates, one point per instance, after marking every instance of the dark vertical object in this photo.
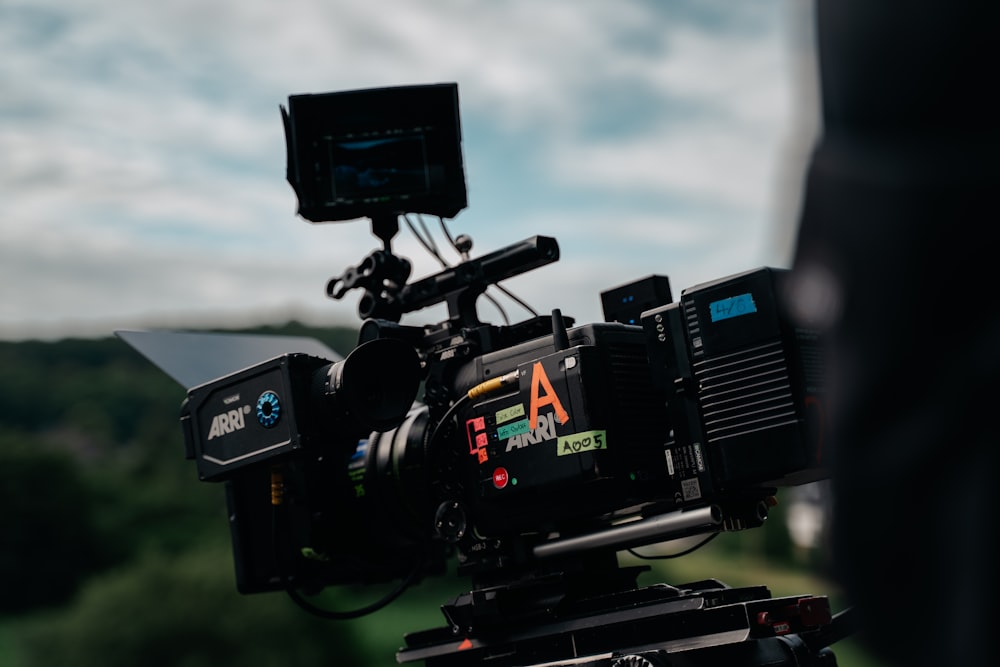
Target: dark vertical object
(894, 257)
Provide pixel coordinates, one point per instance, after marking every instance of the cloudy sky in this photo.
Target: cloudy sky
(142, 155)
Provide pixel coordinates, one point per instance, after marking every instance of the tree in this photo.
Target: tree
(48, 544)
(182, 612)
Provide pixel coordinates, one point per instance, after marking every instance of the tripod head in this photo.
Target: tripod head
(569, 618)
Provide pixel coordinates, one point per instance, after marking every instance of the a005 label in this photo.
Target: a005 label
(586, 441)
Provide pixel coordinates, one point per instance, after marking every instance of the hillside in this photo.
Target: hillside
(115, 554)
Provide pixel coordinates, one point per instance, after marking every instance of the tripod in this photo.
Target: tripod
(583, 620)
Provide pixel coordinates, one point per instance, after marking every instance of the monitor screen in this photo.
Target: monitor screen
(376, 152)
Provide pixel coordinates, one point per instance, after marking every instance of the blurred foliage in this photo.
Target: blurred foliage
(181, 612)
(102, 560)
(95, 393)
(115, 554)
(49, 543)
(340, 339)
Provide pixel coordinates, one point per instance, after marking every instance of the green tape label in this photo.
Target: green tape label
(586, 441)
(510, 430)
(513, 412)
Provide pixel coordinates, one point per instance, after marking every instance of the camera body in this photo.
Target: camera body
(531, 441)
(580, 434)
(746, 386)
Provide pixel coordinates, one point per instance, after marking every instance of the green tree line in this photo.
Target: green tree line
(113, 553)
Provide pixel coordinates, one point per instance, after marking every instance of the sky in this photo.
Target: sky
(142, 155)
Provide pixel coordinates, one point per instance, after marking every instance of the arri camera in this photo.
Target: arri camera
(537, 450)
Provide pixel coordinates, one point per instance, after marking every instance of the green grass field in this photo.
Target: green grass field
(382, 633)
(713, 563)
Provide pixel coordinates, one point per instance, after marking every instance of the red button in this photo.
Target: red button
(500, 478)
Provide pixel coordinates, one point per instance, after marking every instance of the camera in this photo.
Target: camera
(531, 452)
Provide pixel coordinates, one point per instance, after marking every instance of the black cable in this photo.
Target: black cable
(449, 413)
(331, 614)
(510, 295)
(447, 233)
(679, 553)
(427, 233)
(431, 247)
(482, 389)
(843, 624)
(517, 300)
(428, 243)
(496, 304)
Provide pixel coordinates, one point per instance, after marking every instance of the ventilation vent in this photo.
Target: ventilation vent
(693, 329)
(634, 397)
(745, 391)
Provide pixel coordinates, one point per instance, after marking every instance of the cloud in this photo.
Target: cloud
(143, 158)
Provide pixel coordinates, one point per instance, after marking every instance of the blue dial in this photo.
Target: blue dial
(268, 409)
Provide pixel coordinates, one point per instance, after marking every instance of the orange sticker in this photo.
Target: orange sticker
(540, 381)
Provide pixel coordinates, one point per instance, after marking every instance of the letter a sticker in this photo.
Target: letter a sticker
(539, 380)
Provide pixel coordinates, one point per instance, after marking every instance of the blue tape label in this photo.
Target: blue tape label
(734, 306)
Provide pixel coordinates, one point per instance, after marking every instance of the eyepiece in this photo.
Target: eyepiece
(374, 387)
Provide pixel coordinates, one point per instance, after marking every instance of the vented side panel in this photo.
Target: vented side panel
(746, 391)
(693, 329)
(637, 405)
(633, 390)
